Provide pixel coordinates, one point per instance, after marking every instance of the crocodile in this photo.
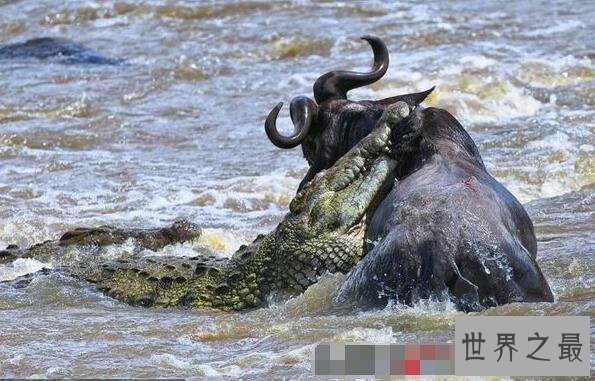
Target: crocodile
(94, 239)
(322, 233)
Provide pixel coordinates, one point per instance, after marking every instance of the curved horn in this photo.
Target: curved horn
(302, 111)
(336, 84)
(412, 99)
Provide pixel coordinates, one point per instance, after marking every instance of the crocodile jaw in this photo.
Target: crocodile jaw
(337, 199)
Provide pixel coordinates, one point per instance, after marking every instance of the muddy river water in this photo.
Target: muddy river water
(177, 131)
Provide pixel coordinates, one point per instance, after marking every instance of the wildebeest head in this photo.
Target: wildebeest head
(328, 127)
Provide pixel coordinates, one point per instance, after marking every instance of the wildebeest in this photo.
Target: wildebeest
(59, 49)
(446, 228)
(329, 127)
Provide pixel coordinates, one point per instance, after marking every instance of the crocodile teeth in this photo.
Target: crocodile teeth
(380, 141)
(341, 185)
(349, 175)
(358, 162)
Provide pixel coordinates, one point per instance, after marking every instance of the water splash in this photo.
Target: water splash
(20, 267)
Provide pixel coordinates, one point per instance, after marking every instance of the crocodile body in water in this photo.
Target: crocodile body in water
(319, 235)
(93, 239)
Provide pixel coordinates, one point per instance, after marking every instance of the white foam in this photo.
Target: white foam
(475, 108)
(473, 89)
(224, 241)
(126, 248)
(233, 371)
(554, 71)
(169, 359)
(477, 61)
(557, 141)
(16, 360)
(20, 267)
(172, 197)
(370, 335)
(553, 186)
(424, 307)
(555, 29)
(186, 249)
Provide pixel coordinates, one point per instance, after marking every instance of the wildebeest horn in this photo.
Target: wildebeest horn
(302, 111)
(336, 84)
(412, 99)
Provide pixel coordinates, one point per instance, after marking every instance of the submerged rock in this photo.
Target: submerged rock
(58, 49)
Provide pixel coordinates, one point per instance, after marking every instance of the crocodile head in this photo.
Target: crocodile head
(337, 199)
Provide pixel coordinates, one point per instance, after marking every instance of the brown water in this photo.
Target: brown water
(177, 132)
